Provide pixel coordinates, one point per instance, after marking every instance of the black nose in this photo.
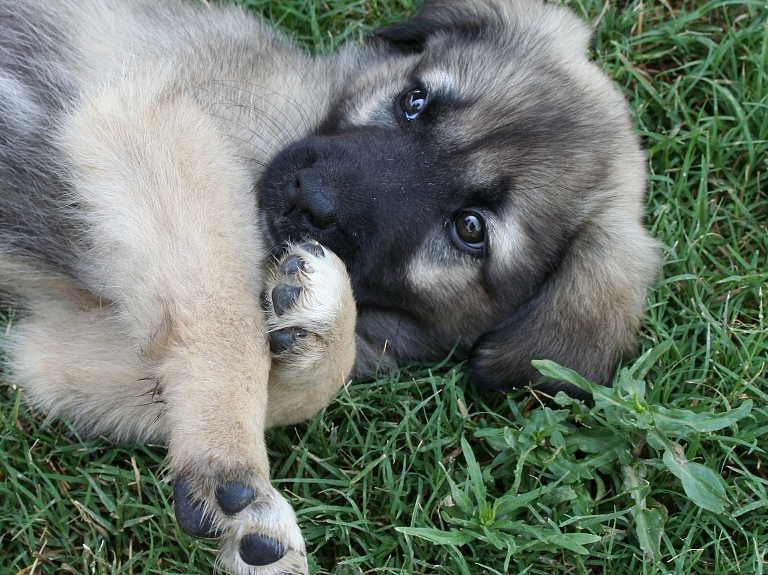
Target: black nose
(309, 200)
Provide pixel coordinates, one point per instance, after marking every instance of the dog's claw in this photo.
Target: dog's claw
(234, 497)
(313, 247)
(283, 296)
(190, 514)
(282, 339)
(291, 265)
(259, 551)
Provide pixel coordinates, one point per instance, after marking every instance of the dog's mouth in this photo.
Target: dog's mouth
(280, 229)
(296, 201)
(279, 219)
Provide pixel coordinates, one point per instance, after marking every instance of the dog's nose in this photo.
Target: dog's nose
(309, 200)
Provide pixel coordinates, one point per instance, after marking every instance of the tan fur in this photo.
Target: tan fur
(168, 341)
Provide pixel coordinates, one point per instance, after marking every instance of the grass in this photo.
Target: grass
(420, 473)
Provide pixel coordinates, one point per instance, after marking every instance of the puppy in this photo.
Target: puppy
(190, 206)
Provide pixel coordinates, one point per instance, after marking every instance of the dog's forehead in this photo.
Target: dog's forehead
(529, 114)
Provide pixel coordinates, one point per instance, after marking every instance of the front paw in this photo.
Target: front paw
(311, 315)
(287, 296)
(308, 302)
(256, 525)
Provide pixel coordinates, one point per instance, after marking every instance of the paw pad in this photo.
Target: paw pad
(291, 265)
(234, 497)
(282, 339)
(283, 296)
(313, 247)
(190, 514)
(259, 551)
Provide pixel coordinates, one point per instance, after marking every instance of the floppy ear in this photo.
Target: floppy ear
(585, 317)
(465, 18)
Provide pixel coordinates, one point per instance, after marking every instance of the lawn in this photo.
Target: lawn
(421, 473)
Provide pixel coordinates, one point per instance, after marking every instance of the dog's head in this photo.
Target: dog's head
(482, 181)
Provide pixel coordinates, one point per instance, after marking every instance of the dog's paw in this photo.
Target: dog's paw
(311, 317)
(303, 299)
(258, 529)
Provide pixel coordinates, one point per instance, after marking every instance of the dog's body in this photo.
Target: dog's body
(477, 176)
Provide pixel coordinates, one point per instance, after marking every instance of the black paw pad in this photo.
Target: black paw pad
(313, 247)
(283, 296)
(260, 551)
(291, 265)
(234, 497)
(282, 339)
(190, 514)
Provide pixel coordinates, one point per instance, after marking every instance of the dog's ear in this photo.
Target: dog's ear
(586, 315)
(466, 19)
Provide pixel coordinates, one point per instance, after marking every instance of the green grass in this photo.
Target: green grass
(420, 473)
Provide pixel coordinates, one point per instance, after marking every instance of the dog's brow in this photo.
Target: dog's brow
(438, 81)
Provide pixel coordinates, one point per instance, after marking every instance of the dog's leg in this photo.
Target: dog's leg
(73, 361)
(170, 226)
(311, 319)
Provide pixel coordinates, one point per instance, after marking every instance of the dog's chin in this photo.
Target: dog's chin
(279, 231)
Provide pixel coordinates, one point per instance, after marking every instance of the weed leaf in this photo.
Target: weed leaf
(452, 537)
(644, 363)
(500, 540)
(573, 541)
(508, 503)
(649, 527)
(475, 473)
(459, 498)
(682, 421)
(702, 485)
(558, 372)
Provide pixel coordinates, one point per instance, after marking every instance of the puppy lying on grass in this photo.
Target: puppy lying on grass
(193, 213)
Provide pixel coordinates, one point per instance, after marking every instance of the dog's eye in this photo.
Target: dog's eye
(414, 102)
(469, 228)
